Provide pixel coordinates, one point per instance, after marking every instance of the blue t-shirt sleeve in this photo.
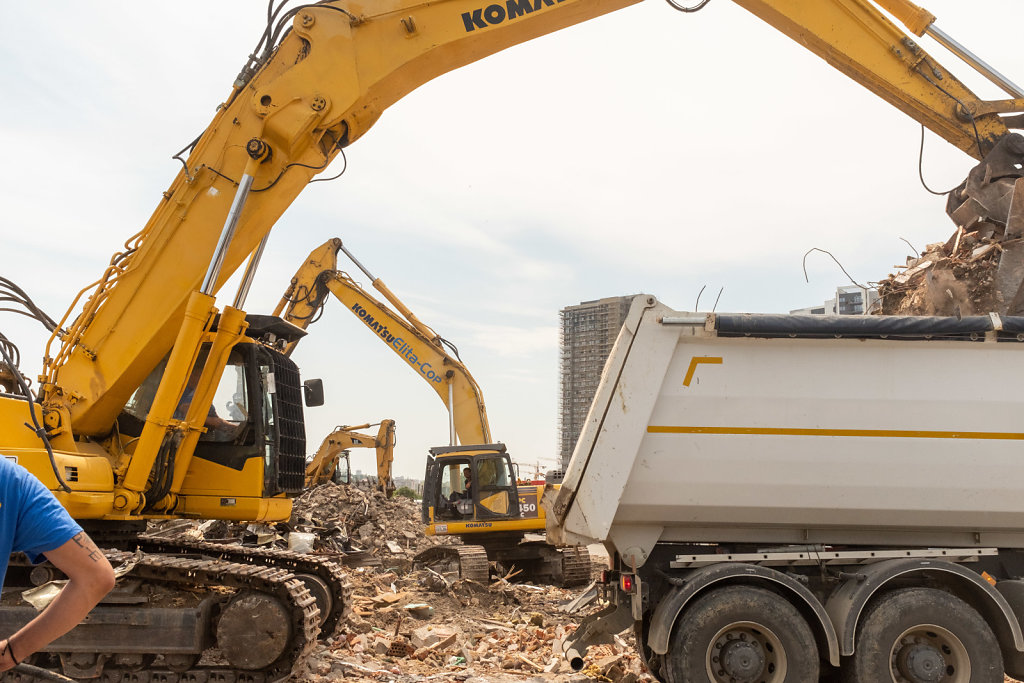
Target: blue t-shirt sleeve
(43, 523)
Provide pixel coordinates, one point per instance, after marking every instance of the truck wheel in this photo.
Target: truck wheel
(924, 635)
(742, 634)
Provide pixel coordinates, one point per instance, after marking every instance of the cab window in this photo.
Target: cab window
(494, 486)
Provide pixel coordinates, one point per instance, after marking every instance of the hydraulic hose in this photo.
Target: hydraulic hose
(35, 426)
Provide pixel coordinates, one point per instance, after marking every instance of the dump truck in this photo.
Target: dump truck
(784, 497)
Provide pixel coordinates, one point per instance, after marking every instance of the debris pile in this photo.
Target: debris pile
(952, 278)
(410, 623)
(349, 518)
(419, 625)
(980, 268)
(353, 525)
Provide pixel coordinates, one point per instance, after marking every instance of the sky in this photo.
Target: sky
(643, 151)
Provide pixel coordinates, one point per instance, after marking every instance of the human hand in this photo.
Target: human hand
(7, 656)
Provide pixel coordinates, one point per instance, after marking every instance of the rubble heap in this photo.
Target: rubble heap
(417, 626)
(353, 525)
(980, 268)
(410, 624)
(950, 278)
(350, 519)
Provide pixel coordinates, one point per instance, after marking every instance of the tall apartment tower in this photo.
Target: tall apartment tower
(585, 340)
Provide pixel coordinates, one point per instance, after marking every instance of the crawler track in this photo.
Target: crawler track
(471, 560)
(333, 610)
(575, 566)
(265, 577)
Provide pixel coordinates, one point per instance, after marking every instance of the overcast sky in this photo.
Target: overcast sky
(645, 151)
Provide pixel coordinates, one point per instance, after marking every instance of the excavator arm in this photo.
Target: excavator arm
(857, 39)
(326, 73)
(321, 468)
(407, 336)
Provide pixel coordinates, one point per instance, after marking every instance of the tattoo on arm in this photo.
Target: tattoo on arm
(86, 544)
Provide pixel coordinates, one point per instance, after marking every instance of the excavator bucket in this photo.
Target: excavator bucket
(1009, 280)
(991, 201)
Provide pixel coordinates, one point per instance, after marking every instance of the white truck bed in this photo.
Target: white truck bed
(774, 430)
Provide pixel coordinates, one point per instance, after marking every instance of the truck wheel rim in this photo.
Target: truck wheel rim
(746, 652)
(929, 654)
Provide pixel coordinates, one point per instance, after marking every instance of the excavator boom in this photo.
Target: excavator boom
(321, 468)
(322, 83)
(410, 339)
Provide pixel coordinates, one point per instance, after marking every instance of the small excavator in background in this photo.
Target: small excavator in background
(335, 447)
(492, 517)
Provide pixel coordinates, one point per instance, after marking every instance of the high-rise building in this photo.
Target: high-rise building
(849, 301)
(587, 334)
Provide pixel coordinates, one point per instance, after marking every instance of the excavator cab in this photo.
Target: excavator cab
(251, 440)
(470, 484)
(491, 515)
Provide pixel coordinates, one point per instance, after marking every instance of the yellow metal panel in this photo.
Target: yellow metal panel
(208, 478)
(481, 527)
(235, 508)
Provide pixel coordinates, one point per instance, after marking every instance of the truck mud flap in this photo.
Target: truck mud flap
(597, 629)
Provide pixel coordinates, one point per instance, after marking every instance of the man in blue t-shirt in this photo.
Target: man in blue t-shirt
(34, 522)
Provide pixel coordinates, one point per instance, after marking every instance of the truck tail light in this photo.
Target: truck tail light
(626, 583)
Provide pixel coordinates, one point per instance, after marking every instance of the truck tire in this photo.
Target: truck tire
(919, 635)
(742, 634)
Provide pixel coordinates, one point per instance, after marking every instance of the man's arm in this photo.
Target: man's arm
(90, 578)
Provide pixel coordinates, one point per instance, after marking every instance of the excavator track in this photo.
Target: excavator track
(473, 563)
(237, 597)
(471, 560)
(575, 566)
(325, 579)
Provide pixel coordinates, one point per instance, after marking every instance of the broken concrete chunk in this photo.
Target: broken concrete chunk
(906, 275)
(425, 636)
(420, 610)
(422, 652)
(381, 645)
(605, 664)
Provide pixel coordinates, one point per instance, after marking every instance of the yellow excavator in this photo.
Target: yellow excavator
(121, 428)
(493, 518)
(336, 445)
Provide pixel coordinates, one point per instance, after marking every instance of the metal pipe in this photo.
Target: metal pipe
(226, 234)
(250, 274)
(973, 60)
(379, 285)
(451, 412)
(358, 264)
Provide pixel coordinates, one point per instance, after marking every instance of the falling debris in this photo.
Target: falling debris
(948, 281)
(980, 268)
